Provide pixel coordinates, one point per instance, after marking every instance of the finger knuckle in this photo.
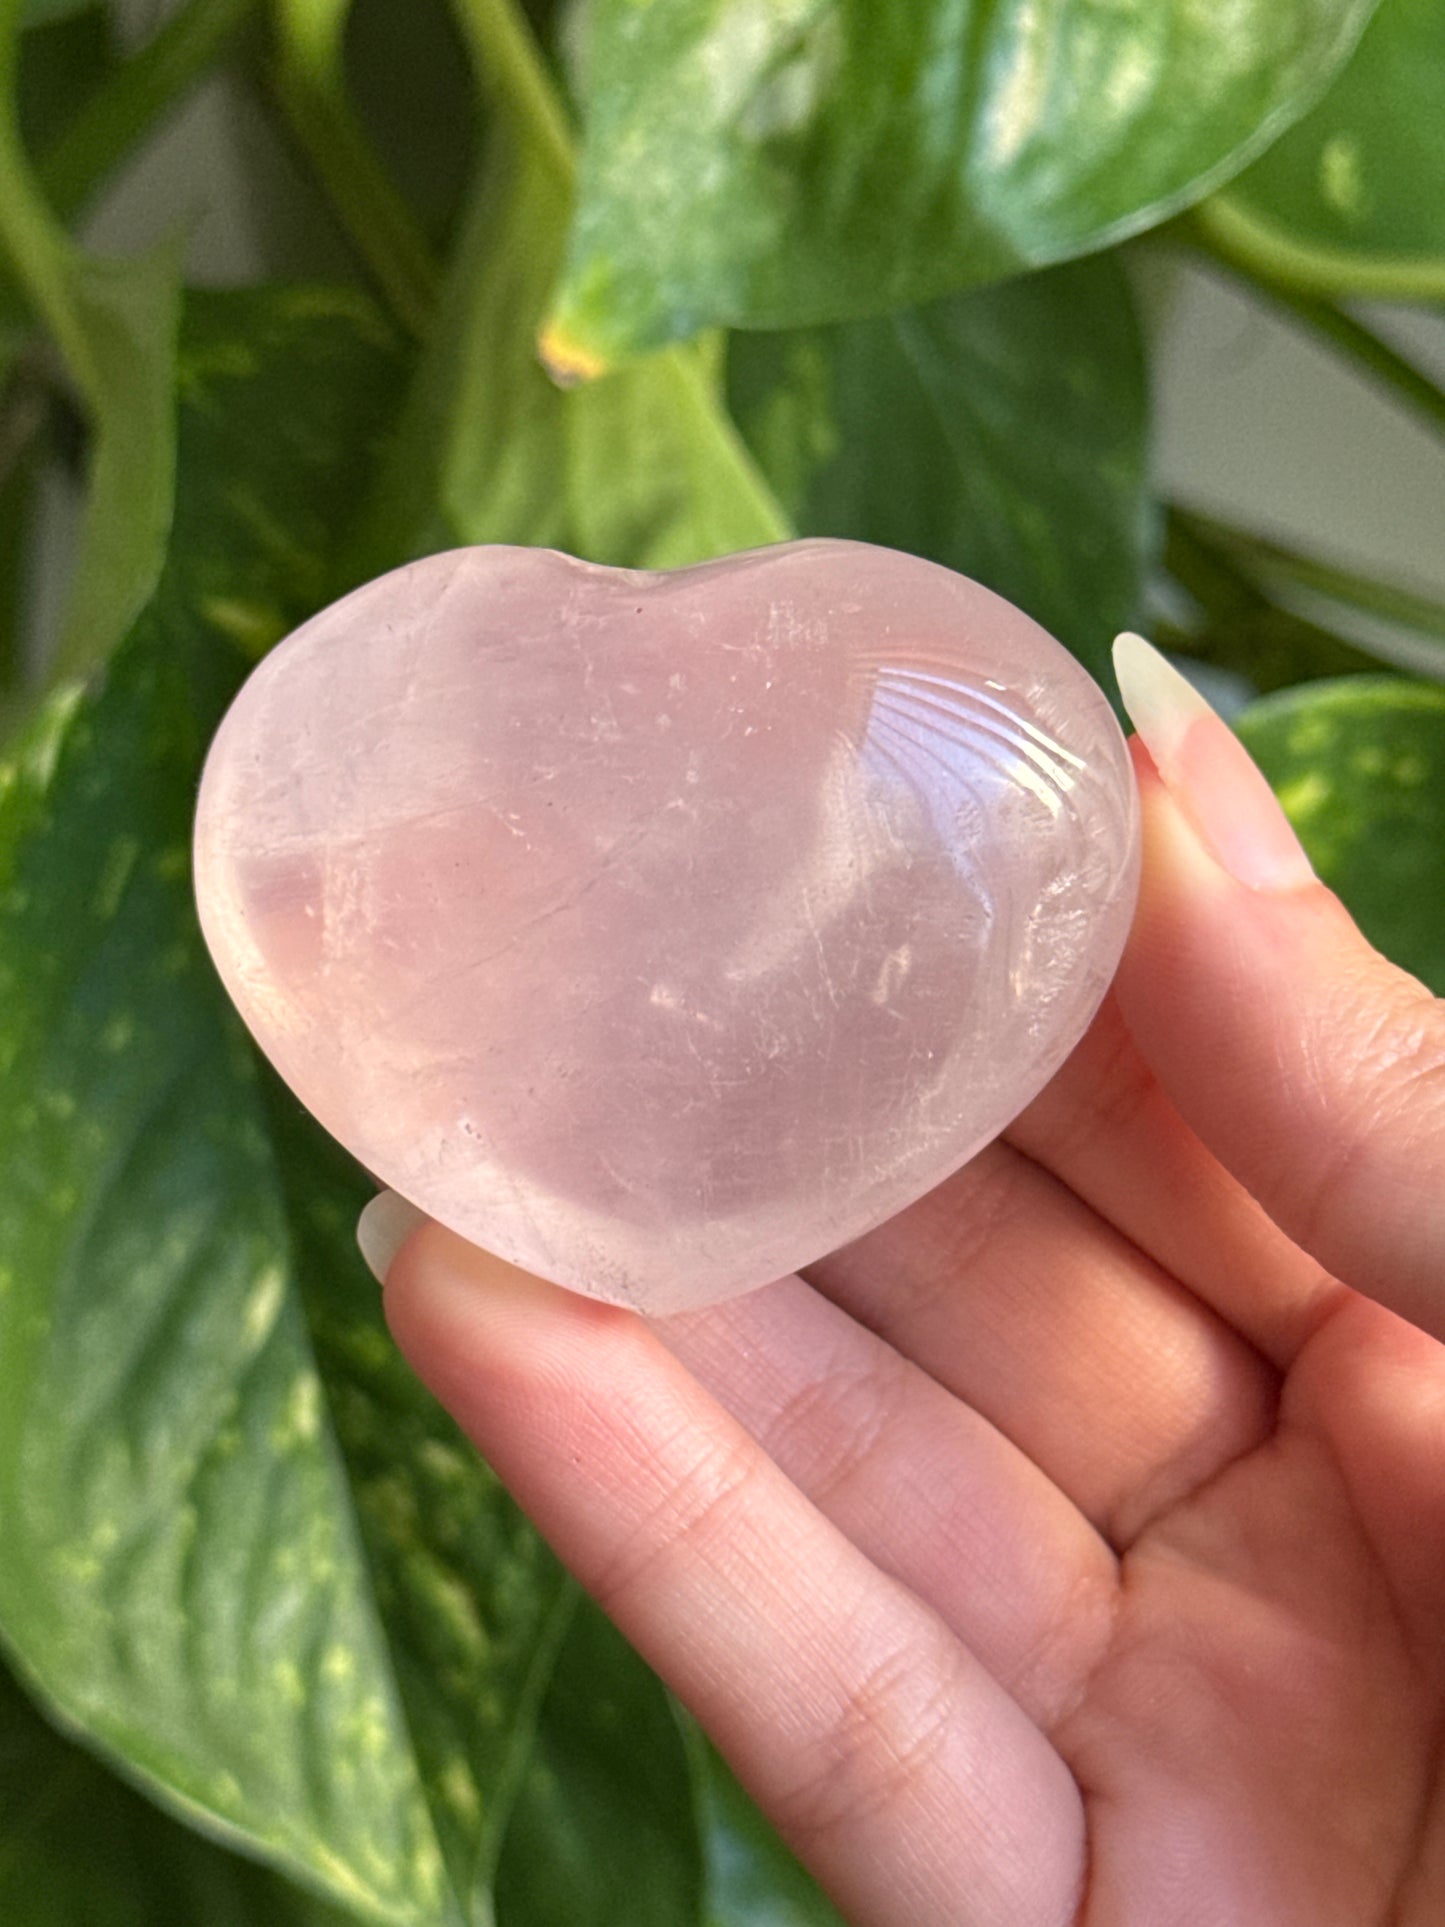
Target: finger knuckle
(881, 1751)
(691, 1520)
(1394, 1095)
(829, 1431)
(1110, 1091)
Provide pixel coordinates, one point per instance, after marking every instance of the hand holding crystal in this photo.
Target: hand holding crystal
(1070, 1549)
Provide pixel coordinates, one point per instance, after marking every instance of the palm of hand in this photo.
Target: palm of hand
(1261, 1738)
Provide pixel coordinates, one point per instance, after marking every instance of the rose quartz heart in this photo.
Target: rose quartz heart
(662, 932)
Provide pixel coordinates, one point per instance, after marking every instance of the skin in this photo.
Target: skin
(1072, 1548)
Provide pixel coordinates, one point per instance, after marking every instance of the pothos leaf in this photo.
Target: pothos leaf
(604, 1828)
(1003, 433)
(644, 469)
(1359, 765)
(245, 1552)
(1352, 200)
(184, 1578)
(78, 1847)
(816, 160)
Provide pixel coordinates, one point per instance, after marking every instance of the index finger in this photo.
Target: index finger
(895, 1765)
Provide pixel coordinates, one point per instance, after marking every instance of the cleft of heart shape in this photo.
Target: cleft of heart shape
(662, 932)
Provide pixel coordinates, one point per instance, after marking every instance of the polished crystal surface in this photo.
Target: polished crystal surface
(662, 932)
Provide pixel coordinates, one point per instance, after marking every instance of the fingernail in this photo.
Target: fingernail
(383, 1228)
(1208, 772)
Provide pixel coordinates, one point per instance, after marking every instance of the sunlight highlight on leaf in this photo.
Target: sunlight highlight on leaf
(924, 148)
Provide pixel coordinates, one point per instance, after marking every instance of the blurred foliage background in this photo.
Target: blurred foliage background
(277, 1647)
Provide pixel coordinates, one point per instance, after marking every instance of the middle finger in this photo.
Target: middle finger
(1126, 1390)
(927, 1489)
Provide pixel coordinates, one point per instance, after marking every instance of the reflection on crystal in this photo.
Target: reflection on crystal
(662, 932)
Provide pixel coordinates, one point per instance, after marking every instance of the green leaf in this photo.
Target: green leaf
(817, 160)
(1359, 765)
(644, 469)
(78, 1848)
(603, 1830)
(22, 421)
(1240, 575)
(752, 1878)
(473, 1603)
(183, 1575)
(1352, 200)
(1002, 433)
(245, 1552)
(115, 324)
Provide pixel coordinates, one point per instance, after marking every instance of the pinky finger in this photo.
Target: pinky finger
(895, 1766)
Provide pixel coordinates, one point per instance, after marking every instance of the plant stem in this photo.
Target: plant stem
(1215, 583)
(1372, 355)
(309, 83)
(22, 421)
(121, 111)
(1258, 247)
(37, 245)
(1273, 650)
(1389, 600)
(1220, 568)
(1368, 351)
(509, 63)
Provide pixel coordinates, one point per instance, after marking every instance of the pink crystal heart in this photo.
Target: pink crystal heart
(662, 932)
